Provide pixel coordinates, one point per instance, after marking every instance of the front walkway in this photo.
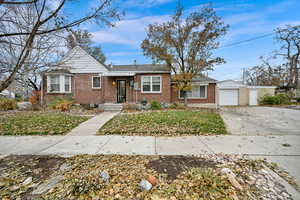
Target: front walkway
(91, 126)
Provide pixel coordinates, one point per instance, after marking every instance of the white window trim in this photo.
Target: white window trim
(70, 84)
(93, 82)
(61, 84)
(151, 92)
(205, 97)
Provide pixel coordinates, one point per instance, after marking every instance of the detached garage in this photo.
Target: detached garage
(235, 93)
(229, 97)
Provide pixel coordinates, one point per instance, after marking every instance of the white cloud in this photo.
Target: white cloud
(128, 32)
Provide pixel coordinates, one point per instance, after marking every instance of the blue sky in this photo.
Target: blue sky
(247, 19)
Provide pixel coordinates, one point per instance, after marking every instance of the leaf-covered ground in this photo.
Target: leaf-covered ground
(179, 178)
(166, 123)
(38, 123)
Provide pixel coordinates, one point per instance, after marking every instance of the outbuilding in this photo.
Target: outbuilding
(235, 93)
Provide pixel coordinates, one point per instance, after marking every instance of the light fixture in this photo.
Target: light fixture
(114, 83)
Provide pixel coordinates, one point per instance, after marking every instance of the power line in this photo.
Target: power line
(248, 40)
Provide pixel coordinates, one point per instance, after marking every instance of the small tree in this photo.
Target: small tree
(84, 39)
(186, 44)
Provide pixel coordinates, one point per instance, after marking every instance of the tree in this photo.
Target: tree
(84, 39)
(269, 73)
(46, 20)
(186, 44)
(282, 68)
(290, 52)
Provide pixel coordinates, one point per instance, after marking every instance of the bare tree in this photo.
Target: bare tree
(290, 51)
(46, 20)
(84, 39)
(186, 44)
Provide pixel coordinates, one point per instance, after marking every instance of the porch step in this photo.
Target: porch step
(112, 107)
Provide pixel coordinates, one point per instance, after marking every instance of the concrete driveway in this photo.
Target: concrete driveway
(261, 120)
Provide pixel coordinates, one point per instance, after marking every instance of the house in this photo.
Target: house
(82, 78)
(235, 93)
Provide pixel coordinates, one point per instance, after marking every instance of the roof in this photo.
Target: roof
(141, 68)
(77, 60)
(203, 78)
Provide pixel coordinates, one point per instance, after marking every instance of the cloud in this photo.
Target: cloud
(127, 32)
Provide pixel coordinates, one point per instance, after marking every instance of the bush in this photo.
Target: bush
(62, 104)
(7, 104)
(275, 100)
(177, 105)
(298, 99)
(130, 106)
(155, 105)
(35, 97)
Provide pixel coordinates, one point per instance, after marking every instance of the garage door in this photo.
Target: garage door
(253, 97)
(228, 97)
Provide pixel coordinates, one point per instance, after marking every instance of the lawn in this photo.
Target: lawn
(166, 123)
(179, 177)
(38, 123)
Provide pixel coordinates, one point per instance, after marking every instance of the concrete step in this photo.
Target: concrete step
(112, 107)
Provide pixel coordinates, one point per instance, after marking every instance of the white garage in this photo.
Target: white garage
(228, 97)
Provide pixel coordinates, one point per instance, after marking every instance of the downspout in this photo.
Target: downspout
(42, 91)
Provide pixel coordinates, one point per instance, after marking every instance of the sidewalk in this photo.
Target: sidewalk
(270, 147)
(147, 145)
(91, 126)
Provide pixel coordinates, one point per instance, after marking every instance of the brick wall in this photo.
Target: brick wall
(211, 95)
(83, 91)
(163, 97)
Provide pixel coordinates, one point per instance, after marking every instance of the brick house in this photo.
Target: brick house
(85, 80)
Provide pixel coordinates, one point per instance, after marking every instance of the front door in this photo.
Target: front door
(121, 91)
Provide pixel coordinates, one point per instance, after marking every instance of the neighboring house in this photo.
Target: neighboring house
(87, 81)
(234, 93)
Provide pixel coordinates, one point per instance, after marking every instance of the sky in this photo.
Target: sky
(247, 19)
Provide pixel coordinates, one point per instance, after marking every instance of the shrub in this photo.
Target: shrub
(275, 100)
(64, 106)
(155, 105)
(177, 105)
(7, 104)
(298, 99)
(35, 97)
(130, 106)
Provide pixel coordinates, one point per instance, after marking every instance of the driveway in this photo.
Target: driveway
(261, 120)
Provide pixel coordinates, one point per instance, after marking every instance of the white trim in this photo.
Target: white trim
(61, 84)
(257, 87)
(151, 89)
(93, 82)
(205, 97)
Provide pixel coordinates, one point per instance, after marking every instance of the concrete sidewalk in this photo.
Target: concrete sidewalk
(147, 145)
(91, 126)
(284, 150)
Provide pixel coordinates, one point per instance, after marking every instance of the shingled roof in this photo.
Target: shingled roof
(141, 68)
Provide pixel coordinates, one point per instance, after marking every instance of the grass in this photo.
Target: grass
(38, 123)
(166, 123)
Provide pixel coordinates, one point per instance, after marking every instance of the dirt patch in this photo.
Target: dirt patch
(174, 165)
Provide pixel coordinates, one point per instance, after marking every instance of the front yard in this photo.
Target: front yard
(38, 123)
(166, 123)
(178, 178)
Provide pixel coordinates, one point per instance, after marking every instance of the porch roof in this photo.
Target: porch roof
(113, 73)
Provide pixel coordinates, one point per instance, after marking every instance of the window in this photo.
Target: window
(59, 84)
(151, 84)
(67, 83)
(54, 83)
(96, 82)
(197, 92)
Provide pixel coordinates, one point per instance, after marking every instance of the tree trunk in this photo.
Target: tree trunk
(185, 98)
